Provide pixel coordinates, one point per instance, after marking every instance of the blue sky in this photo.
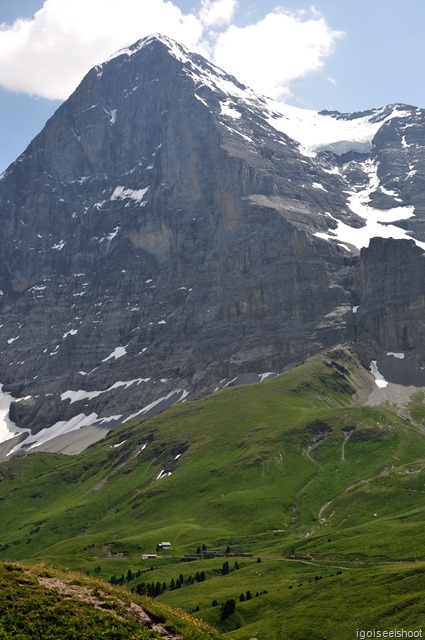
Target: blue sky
(348, 55)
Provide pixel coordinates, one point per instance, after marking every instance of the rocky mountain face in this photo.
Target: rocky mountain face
(170, 230)
(390, 283)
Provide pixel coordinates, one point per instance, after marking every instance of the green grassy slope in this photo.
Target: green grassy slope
(43, 603)
(293, 466)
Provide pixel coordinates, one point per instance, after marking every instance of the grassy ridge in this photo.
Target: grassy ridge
(43, 603)
(291, 466)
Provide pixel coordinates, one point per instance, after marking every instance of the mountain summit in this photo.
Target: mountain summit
(170, 231)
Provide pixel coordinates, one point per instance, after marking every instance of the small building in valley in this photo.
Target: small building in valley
(161, 546)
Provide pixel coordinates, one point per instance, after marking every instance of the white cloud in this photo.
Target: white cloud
(49, 54)
(275, 51)
(217, 12)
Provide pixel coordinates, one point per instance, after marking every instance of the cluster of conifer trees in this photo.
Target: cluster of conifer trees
(154, 589)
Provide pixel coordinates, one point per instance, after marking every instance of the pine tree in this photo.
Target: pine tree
(141, 588)
(228, 608)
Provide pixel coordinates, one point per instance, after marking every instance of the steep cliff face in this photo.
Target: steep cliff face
(399, 155)
(166, 232)
(390, 284)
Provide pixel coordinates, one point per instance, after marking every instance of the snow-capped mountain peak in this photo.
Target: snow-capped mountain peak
(175, 49)
(313, 130)
(178, 229)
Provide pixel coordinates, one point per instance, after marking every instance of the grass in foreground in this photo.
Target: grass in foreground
(42, 603)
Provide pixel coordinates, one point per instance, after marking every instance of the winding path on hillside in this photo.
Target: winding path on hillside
(322, 520)
(347, 435)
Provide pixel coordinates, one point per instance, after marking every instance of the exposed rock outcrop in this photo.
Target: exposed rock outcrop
(390, 285)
